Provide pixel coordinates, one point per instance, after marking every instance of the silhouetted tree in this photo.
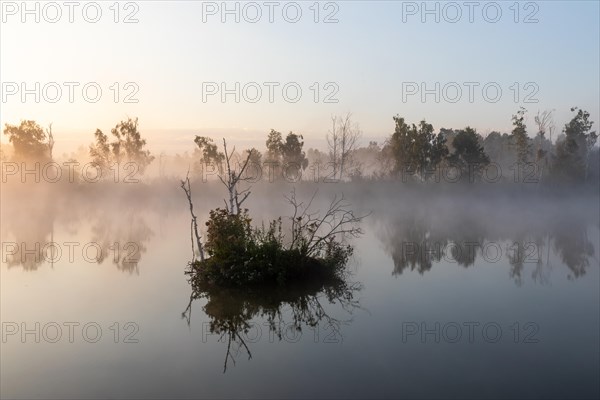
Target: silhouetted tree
(292, 152)
(28, 141)
(254, 169)
(101, 152)
(128, 146)
(572, 154)
(274, 146)
(468, 156)
(210, 152)
(543, 146)
(274, 153)
(342, 140)
(520, 138)
(417, 149)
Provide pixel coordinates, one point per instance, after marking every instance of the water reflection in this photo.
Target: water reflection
(31, 231)
(416, 241)
(68, 230)
(122, 239)
(295, 306)
(571, 242)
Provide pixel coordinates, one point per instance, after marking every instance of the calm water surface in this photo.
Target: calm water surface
(447, 298)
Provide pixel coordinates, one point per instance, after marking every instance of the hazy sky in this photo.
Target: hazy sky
(370, 57)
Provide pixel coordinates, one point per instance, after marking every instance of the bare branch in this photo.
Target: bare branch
(311, 232)
(231, 181)
(342, 141)
(185, 185)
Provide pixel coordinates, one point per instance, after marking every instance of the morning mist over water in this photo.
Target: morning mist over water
(299, 200)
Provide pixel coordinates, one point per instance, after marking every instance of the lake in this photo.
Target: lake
(451, 294)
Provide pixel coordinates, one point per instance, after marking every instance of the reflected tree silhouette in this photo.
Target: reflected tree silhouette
(411, 245)
(231, 310)
(416, 241)
(542, 269)
(572, 244)
(466, 239)
(32, 229)
(516, 260)
(28, 230)
(122, 239)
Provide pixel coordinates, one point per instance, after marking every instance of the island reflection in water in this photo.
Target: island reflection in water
(231, 310)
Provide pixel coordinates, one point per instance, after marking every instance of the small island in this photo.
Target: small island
(305, 246)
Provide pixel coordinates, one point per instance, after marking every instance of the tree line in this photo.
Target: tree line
(414, 152)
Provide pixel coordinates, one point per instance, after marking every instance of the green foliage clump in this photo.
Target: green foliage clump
(240, 255)
(416, 148)
(469, 155)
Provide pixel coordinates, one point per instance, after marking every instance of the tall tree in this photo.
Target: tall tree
(572, 153)
(28, 141)
(417, 148)
(210, 152)
(520, 138)
(255, 156)
(469, 155)
(542, 145)
(101, 151)
(342, 141)
(128, 146)
(292, 152)
(402, 144)
(273, 155)
(274, 147)
(254, 169)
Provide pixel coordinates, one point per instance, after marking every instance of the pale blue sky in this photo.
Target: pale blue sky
(369, 53)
